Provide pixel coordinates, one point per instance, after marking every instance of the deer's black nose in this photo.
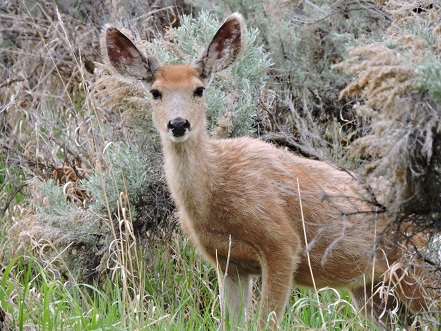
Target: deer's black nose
(178, 126)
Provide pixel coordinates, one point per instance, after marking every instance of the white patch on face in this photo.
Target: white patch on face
(178, 139)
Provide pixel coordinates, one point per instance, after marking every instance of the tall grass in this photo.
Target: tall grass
(176, 292)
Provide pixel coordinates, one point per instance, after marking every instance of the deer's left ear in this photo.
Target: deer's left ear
(227, 45)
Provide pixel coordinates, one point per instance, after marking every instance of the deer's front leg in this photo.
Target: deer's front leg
(278, 267)
(236, 296)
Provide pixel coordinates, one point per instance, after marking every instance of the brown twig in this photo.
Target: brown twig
(11, 197)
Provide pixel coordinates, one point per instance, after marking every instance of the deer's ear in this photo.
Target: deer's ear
(227, 45)
(124, 58)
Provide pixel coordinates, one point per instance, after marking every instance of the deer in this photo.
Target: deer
(253, 209)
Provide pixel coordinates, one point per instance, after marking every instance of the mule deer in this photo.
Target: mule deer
(252, 207)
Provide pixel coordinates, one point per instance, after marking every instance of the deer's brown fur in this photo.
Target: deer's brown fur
(249, 203)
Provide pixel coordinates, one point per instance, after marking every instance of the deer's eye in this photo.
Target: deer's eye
(199, 92)
(156, 94)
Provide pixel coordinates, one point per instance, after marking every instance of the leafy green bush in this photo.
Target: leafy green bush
(428, 75)
(125, 172)
(305, 39)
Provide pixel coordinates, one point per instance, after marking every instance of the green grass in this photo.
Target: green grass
(173, 290)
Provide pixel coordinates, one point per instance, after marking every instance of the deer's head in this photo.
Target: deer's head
(177, 91)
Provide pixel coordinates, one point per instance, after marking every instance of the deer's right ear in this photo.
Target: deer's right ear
(124, 58)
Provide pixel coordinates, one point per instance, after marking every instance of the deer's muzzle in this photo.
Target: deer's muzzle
(178, 127)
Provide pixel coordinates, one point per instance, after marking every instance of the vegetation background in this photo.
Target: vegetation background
(88, 234)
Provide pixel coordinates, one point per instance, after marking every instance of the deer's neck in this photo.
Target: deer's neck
(190, 168)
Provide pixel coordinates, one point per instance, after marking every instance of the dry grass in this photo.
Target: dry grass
(383, 76)
(55, 126)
